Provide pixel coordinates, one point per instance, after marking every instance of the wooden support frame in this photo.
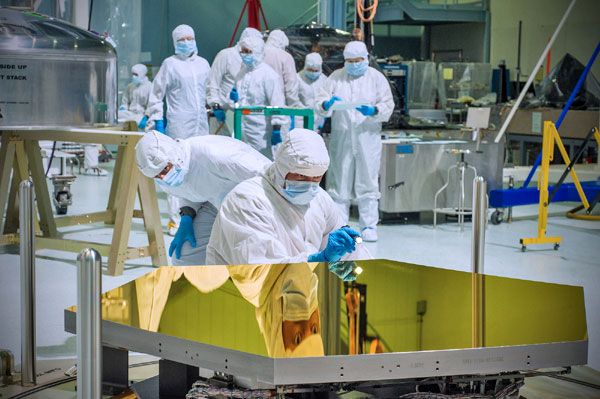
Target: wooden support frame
(20, 159)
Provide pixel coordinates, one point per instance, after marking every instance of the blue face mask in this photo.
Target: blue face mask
(300, 192)
(311, 75)
(186, 47)
(356, 68)
(136, 80)
(173, 178)
(248, 60)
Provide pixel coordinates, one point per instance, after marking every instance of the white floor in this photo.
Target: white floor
(577, 262)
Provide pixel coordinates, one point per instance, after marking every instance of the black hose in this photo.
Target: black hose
(90, 14)
(50, 159)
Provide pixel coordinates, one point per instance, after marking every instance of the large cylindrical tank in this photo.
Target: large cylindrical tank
(53, 73)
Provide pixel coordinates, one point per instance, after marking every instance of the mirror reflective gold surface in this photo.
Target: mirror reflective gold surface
(304, 310)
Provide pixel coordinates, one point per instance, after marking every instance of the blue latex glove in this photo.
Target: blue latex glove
(160, 126)
(339, 243)
(276, 137)
(327, 104)
(234, 95)
(143, 123)
(367, 110)
(184, 233)
(344, 270)
(219, 114)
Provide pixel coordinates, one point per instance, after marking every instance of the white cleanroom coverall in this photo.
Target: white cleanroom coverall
(224, 69)
(355, 143)
(212, 166)
(136, 95)
(182, 81)
(283, 63)
(257, 224)
(308, 88)
(259, 85)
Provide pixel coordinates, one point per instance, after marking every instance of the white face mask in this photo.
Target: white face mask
(186, 47)
(356, 69)
(173, 178)
(312, 75)
(300, 192)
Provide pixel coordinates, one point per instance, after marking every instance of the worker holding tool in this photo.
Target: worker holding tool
(200, 171)
(257, 84)
(224, 69)
(355, 143)
(182, 81)
(283, 216)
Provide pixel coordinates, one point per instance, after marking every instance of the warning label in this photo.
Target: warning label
(14, 72)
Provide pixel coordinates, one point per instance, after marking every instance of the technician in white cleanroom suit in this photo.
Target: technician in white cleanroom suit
(283, 216)
(200, 171)
(182, 80)
(258, 85)
(91, 154)
(283, 63)
(355, 143)
(310, 80)
(224, 69)
(136, 95)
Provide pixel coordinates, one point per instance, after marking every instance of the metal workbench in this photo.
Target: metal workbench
(414, 166)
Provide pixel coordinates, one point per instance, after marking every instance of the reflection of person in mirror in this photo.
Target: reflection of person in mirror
(285, 297)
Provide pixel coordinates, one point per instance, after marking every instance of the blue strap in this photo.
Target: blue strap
(563, 114)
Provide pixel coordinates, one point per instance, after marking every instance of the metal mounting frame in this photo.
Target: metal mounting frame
(260, 372)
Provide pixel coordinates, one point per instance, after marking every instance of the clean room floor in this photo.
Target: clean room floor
(577, 262)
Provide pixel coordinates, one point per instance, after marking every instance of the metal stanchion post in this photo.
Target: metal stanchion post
(89, 317)
(27, 256)
(479, 219)
(477, 257)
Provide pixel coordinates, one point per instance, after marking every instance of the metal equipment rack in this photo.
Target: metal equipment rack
(460, 211)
